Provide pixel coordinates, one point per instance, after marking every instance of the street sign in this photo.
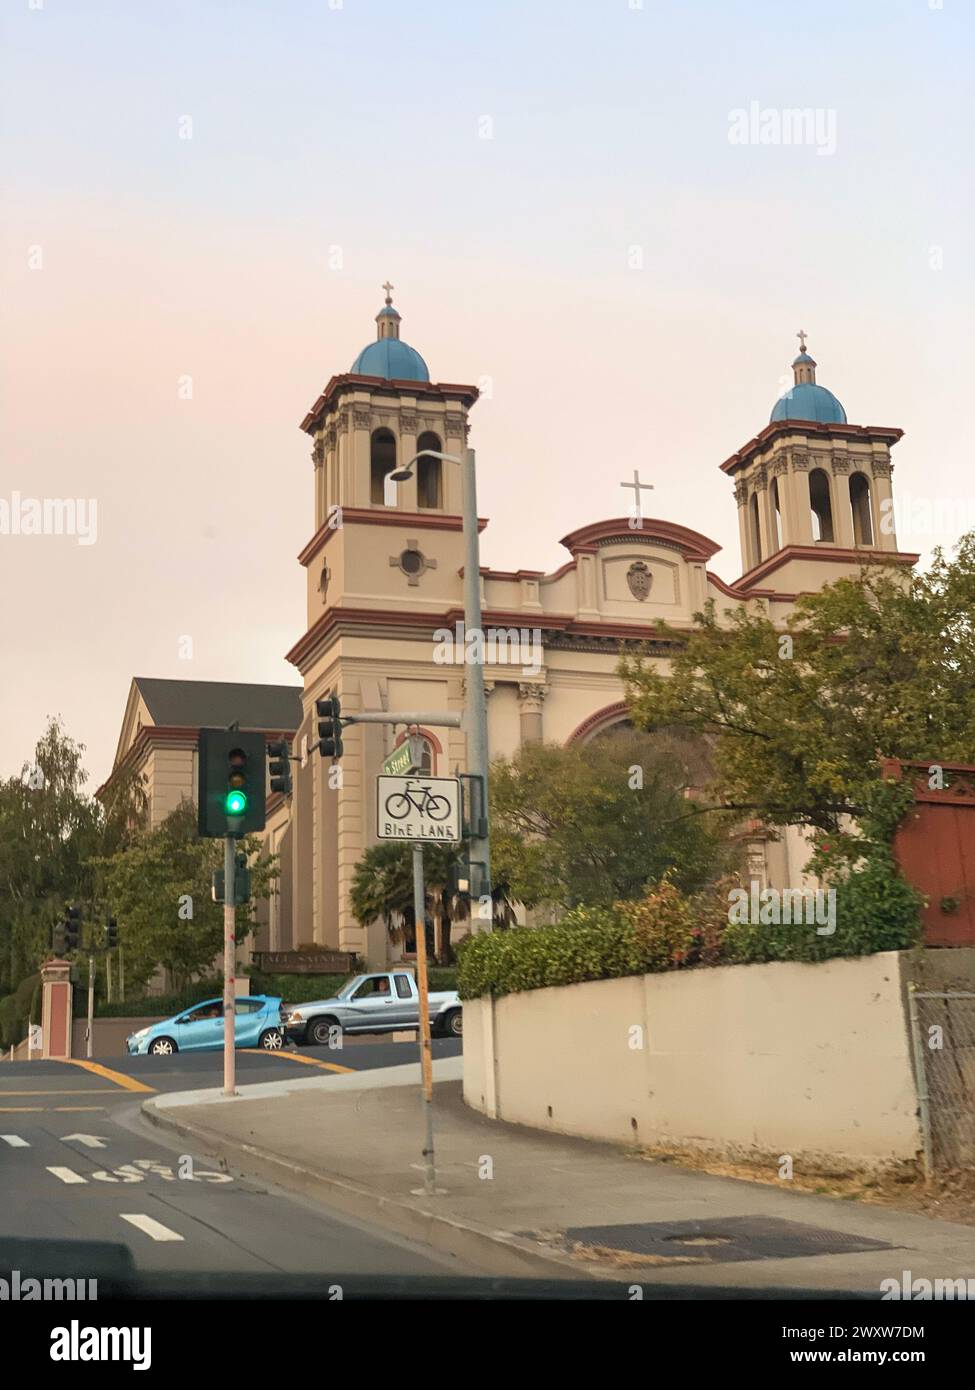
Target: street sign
(407, 757)
(399, 762)
(418, 808)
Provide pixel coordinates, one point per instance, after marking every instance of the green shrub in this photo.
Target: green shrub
(876, 910)
(590, 943)
(158, 1006)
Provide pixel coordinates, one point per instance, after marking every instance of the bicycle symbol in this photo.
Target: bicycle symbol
(429, 804)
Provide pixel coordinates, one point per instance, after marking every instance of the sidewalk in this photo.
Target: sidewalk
(355, 1141)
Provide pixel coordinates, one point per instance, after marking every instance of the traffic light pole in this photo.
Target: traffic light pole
(229, 965)
(91, 1006)
(426, 1061)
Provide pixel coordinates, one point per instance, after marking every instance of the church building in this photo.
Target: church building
(384, 587)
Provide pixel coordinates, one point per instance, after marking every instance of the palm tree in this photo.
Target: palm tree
(382, 886)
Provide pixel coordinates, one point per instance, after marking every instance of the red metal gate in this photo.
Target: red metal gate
(935, 847)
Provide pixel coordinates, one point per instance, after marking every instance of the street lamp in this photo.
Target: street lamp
(476, 708)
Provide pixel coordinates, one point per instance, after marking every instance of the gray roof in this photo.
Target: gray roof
(215, 704)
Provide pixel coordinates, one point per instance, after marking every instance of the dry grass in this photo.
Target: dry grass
(950, 1196)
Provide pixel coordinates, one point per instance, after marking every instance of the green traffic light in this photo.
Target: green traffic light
(235, 803)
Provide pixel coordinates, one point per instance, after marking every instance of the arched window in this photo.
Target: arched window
(756, 529)
(382, 461)
(860, 507)
(776, 514)
(820, 506)
(429, 494)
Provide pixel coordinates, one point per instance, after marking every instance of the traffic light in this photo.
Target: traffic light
(242, 882)
(329, 713)
(111, 934)
(231, 787)
(59, 944)
(72, 928)
(279, 766)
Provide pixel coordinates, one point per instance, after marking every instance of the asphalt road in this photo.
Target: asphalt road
(77, 1161)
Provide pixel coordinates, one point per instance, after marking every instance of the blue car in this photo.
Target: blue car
(200, 1029)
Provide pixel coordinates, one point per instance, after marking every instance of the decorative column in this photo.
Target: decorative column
(883, 517)
(741, 497)
(842, 510)
(531, 697)
(798, 487)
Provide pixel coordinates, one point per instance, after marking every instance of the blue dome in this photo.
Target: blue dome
(392, 359)
(807, 401)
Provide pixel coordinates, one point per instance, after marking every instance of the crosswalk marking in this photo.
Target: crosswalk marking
(155, 1230)
(67, 1175)
(15, 1141)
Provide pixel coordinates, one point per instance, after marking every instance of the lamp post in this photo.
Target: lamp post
(475, 706)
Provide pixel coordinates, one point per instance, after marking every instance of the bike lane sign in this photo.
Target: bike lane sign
(418, 808)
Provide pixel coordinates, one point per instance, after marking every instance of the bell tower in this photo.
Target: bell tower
(368, 422)
(812, 488)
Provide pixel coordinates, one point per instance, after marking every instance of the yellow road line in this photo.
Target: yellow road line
(88, 1091)
(128, 1083)
(22, 1109)
(290, 1057)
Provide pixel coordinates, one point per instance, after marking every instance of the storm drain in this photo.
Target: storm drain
(731, 1238)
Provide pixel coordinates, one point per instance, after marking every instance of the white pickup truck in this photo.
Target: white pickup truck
(380, 1003)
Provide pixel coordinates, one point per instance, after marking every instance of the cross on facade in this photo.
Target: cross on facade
(638, 487)
(801, 335)
(389, 292)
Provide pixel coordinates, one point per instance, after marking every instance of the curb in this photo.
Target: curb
(499, 1252)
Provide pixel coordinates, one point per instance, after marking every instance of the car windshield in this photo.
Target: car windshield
(605, 917)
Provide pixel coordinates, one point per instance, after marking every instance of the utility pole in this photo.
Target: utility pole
(422, 979)
(476, 706)
(476, 727)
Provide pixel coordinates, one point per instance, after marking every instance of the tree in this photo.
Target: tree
(48, 830)
(880, 665)
(159, 886)
(596, 823)
(382, 887)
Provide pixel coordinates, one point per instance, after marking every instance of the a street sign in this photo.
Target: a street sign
(418, 808)
(407, 757)
(399, 762)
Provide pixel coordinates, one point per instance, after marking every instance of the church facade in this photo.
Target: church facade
(384, 600)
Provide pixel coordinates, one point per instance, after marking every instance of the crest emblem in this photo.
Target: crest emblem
(639, 578)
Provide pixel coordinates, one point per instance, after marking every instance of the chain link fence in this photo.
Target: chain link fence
(943, 1038)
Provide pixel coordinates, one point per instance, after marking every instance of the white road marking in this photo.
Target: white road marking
(155, 1230)
(67, 1175)
(90, 1141)
(15, 1141)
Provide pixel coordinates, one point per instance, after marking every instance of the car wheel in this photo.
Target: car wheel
(319, 1031)
(272, 1039)
(163, 1047)
(455, 1024)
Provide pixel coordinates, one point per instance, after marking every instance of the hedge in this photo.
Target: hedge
(875, 911)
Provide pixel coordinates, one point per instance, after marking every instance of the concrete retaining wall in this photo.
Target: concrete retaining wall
(812, 1059)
